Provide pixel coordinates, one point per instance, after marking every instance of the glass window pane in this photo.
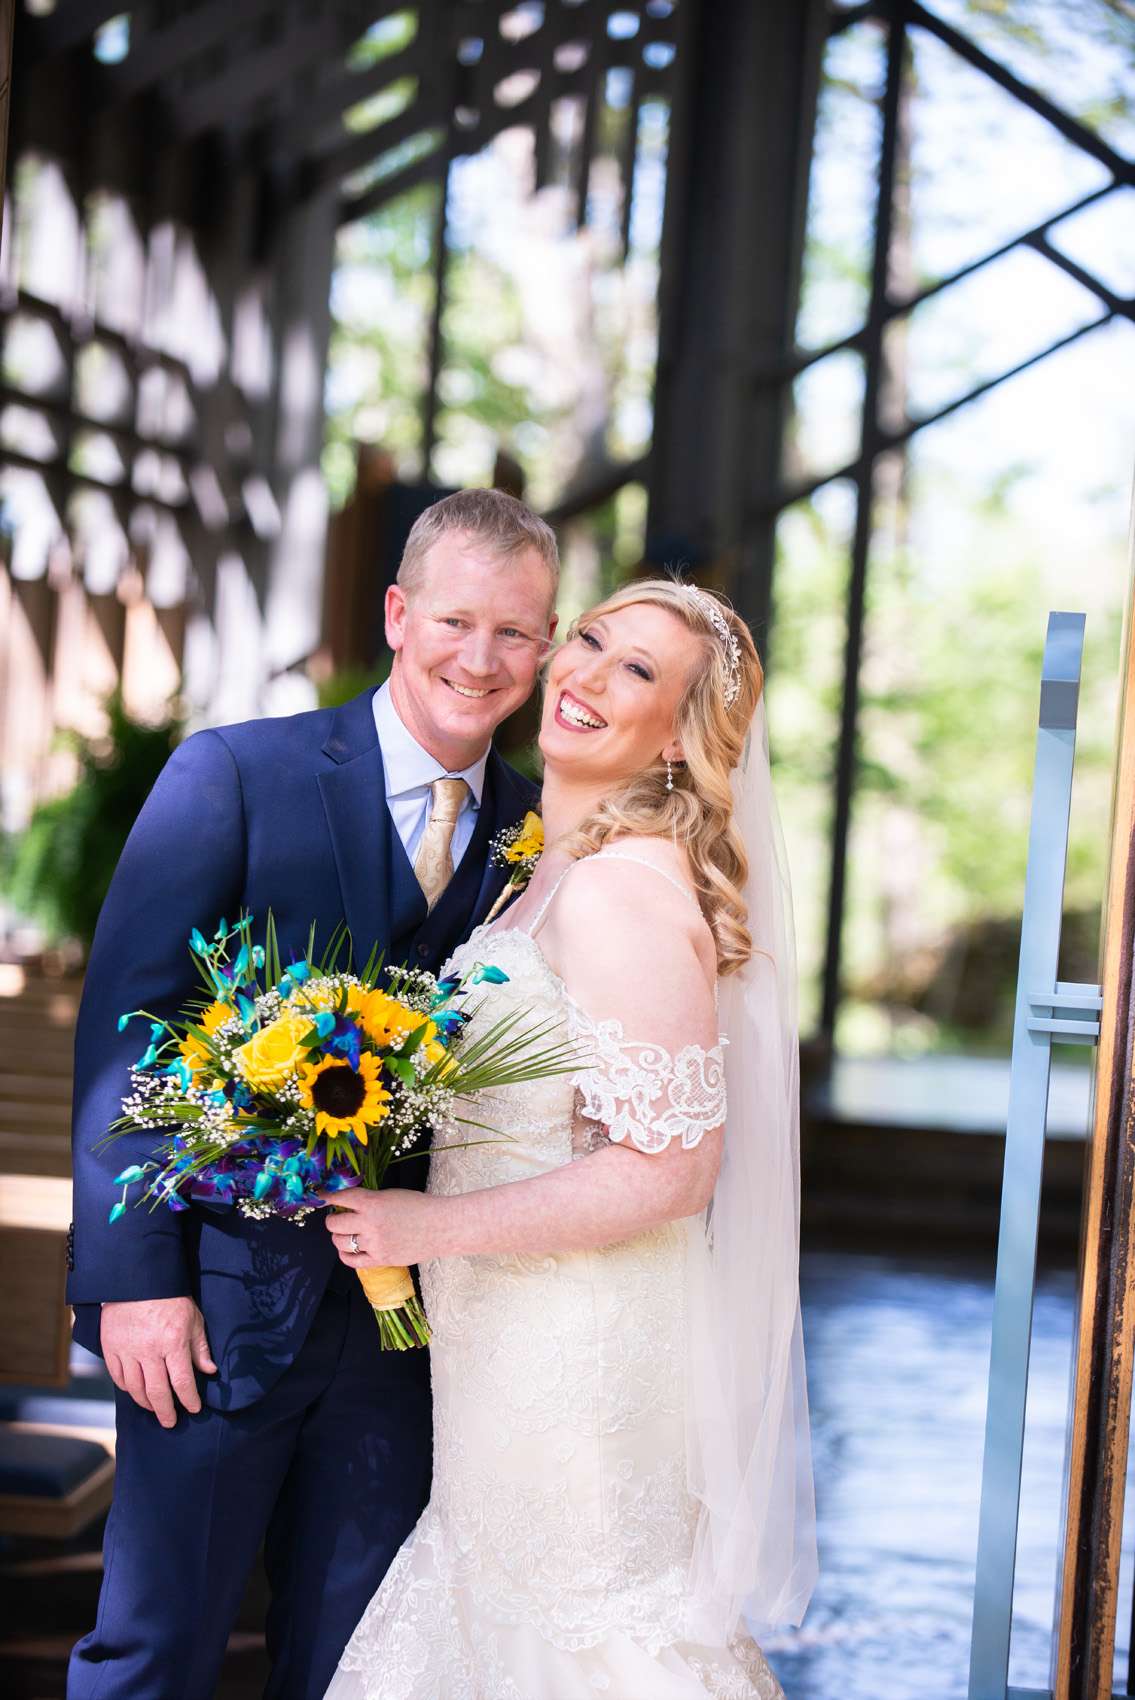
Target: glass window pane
(381, 299)
(842, 188)
(1080, 53)
(1013, 506)
(809, 631)
(984, 168)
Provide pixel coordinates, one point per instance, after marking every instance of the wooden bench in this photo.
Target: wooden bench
(45, 1152)
(54, 1479)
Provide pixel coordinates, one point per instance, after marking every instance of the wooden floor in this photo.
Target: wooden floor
(48, 1599)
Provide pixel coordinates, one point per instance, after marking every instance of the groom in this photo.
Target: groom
(253, 1402)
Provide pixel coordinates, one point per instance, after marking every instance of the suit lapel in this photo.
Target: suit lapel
(354, 801)
(353, 791)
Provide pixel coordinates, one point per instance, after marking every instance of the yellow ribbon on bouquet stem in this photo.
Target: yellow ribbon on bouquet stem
(386, 1288)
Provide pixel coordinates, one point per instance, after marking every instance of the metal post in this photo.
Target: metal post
(7, 18)
(1073, 1016)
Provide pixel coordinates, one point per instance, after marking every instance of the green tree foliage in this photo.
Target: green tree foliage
(58, 870)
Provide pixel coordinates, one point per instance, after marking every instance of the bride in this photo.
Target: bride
(621, 1465)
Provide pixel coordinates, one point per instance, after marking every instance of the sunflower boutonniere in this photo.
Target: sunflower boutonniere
(518, 848)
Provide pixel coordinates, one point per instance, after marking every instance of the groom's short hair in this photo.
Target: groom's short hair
(497, 522)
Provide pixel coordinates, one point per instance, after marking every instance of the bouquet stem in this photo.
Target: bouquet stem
(397, 1309)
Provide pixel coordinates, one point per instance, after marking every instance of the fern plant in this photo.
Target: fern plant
(58, 870)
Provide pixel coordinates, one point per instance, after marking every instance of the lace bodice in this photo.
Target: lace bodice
(628, 1089)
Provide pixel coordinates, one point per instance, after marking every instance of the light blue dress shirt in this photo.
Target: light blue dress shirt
(410, 771)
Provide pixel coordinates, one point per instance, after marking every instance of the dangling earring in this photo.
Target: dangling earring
(669, 775)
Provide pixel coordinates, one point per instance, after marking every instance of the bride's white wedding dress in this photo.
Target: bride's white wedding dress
(551, 1561)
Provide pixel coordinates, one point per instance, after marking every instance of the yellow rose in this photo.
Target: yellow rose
(435, 1052)
(274, 1053)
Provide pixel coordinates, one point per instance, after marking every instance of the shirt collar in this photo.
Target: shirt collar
(408, 767)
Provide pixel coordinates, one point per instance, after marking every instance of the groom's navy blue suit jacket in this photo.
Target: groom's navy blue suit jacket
(287, 814)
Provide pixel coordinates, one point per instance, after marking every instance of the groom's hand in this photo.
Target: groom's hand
(151, 1348)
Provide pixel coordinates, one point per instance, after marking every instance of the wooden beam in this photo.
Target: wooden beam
(342, 88)
(72, 23)
(7, 18)
(226, 99)
(421, 171)
(1101, 1408)
(162, 51)
(319, 121)
(364, 149)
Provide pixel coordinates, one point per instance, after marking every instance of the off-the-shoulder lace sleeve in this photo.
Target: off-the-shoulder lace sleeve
(642, 1092)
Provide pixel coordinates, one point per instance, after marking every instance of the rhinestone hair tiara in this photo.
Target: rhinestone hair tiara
(712, 609)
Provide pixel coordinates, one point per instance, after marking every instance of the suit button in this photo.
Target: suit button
(423, 950)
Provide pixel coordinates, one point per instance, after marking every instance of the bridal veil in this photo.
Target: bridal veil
(748, 1450)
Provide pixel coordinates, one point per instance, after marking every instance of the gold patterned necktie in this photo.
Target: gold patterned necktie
(433, 863)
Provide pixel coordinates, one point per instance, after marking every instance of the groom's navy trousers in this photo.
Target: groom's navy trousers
(310, 1439)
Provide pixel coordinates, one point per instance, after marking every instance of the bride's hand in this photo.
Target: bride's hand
(390, 1228)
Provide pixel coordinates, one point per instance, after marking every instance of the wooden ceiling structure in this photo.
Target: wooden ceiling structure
(266, 85)
(177, 177)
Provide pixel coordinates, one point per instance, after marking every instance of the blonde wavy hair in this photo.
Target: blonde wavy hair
(698, 812)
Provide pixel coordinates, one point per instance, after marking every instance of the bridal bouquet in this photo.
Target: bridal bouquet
(282, 1082)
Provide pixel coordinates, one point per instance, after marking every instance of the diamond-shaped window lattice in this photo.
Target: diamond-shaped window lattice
(112, 40)
(983, 168)
(103, 389)
(27, 432)
(516, 87)
(97, 455)
(407, 153)
(1101, 238)
(380, 108)
(827, 415)
(383, 39)
(1077, 52)
(989, 323)
(842, 189)
(658, 54)
(33, 359)
(571, 56)
(522, 21)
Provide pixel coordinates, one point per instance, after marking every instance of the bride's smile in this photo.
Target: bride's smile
(612, 695)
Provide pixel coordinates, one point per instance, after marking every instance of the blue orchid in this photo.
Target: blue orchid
(343, 1039)
(486, 971)
(448, 1021)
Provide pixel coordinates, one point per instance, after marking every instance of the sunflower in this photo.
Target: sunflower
(386, 1020)
(193, 1053)
(344, 1099)
(324, 994)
